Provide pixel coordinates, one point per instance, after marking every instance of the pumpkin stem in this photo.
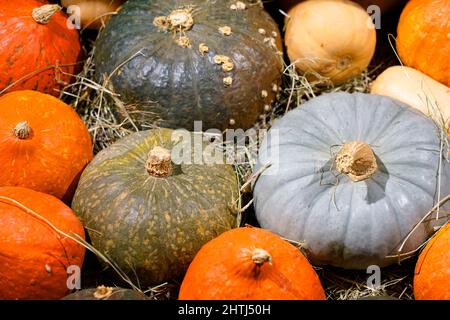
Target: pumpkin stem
(103, 292)
(357, 160)
(22, 130)
(261, 256)
(159, 162)
(177, 20)
(43, 14)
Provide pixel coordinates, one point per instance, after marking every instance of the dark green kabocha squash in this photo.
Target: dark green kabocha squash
(149, 211)
(176, 61)
(106, 293)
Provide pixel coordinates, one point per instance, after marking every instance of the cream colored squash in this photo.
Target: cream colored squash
(417, 90)
(333, 38)
(384, 5)
(94, 13)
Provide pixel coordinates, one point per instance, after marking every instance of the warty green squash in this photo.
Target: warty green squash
(177, 61)
(106, 293)
(149, 213)
(351, 175)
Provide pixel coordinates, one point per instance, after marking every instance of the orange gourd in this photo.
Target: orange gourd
(423, 38)
(38, 50)
(432, 274)
(44, 144)
(34, 257)
(334, 39)
(250, 263)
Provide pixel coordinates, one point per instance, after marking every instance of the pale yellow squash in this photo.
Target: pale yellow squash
(417, 90)
(330, 38)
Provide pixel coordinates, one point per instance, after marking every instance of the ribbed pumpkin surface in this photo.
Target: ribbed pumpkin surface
(44, 144)
(34, 257)
(423, 40)
(171, 84)
(304, 196)
(230, 268)
(36, 56)
(432, 275)
(153, 225)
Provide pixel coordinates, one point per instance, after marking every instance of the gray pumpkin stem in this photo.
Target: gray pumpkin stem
(357, 160)
(43, 14)
(159, 162)
(261, 256)
(22, 130)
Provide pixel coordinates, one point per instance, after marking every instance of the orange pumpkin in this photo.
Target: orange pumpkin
(432, 275)
(334, 39)
(250, 263)
(38, 50)
(34, 257)
(423, 38)
(44, 144)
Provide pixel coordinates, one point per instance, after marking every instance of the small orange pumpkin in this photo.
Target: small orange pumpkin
(38, 50)
(34, 257)
(250, 263)
(423, 38)
(334, 39)
(44, 144)
(432, 275)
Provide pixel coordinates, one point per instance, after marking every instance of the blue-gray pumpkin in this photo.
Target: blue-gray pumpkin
(351, 175)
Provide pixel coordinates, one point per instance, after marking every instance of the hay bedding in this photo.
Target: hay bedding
(93, 102)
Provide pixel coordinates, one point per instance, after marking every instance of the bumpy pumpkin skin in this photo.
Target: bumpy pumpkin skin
(29, 47)
(344, 223)
(34, 257)
(116, 294)
(154, 224)
(423, 40)
(224, 270)
(54, 154)
(432, 274)
(170, 85)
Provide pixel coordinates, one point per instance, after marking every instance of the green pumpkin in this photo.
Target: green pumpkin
(150, 215)
(176, 61)
(106, 293)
